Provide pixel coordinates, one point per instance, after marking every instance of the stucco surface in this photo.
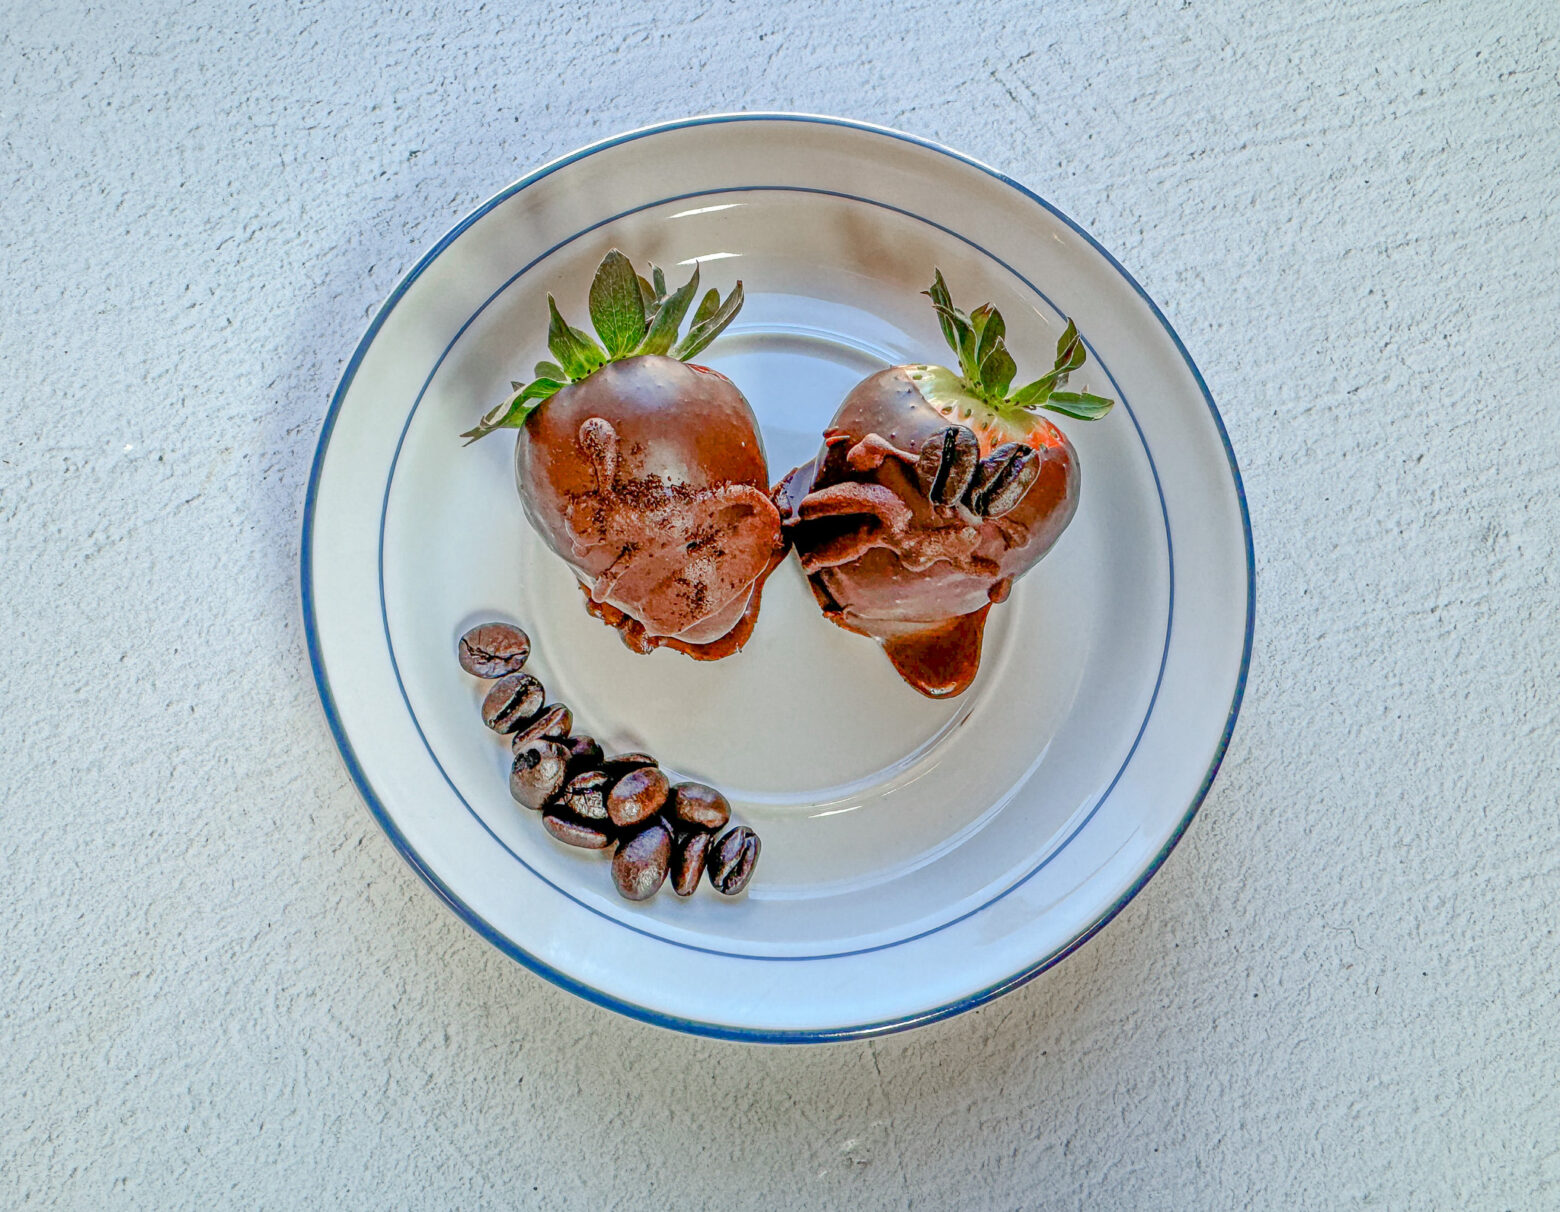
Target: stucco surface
(223, 989)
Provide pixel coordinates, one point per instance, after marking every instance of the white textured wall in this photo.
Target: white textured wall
(222, 988)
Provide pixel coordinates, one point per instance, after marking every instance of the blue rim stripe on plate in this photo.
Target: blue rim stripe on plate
(1023, 879)
(485, 929)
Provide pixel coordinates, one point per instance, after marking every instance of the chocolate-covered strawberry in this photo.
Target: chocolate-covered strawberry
(644, 471)
(933, 491)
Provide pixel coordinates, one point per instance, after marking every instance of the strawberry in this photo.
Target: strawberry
(645, 472)
(934, 490)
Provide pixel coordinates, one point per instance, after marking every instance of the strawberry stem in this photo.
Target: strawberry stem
(632, 317)
(980, 341)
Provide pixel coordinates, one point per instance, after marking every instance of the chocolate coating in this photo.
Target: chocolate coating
(648, 478)
(884, 560)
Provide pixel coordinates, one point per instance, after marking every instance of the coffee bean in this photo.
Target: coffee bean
(538, 773)
(493, 650)
(637, 795)
(1002, 479)
(947, 462)
(621, 763)
(584, 753)
(585, 795)
(574, 832)
(514, 699)
(640, 865)
(689, 854)
(551, 723)
(700, 806)
(732, 860)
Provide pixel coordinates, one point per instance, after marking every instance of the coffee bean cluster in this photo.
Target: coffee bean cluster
(624, 803)
(951, 470)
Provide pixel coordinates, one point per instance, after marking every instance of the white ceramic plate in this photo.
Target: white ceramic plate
(920, 857)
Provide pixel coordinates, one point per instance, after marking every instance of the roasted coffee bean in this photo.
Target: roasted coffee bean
(574, 832)
(699, 806)
(947, 464)
(637, 795)
(640, 865)
(689, 854)
(514, 699)
(1002, 479)
(584, 753)
(538, 773)
(552, 723)
(620, 764)
(585, 795)
(732, 860)
(493, 650)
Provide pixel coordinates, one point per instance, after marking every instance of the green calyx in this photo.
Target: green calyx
(980, 341)
(632, 317)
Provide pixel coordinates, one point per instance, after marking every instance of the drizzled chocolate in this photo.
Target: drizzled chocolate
(648, 478)
(905, 540)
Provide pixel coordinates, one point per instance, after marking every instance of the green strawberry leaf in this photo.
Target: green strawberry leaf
(1066, 341)
(633, 315)
(1070, 353)
(978, 319)
(576, 351)
(511, 414)
(706, 307)
(997, 370)
(706, 330)
(949, 317)
(669, 317)
(1079, 404)
(955, 325)
(616, 309)
(980, 340)
(991, 330)
(1033, 395)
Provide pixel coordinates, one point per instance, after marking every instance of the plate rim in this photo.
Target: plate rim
(508, 946)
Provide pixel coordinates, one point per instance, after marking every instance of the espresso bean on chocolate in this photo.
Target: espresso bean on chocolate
(637, 795)
(538, 773)
(1002, 479)
(640, 865)
(689, 855)
(698, 805)
(947, 463)
(552, 723)
(493, 650)
(513, 700)
(732, 860)
(585, 795)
